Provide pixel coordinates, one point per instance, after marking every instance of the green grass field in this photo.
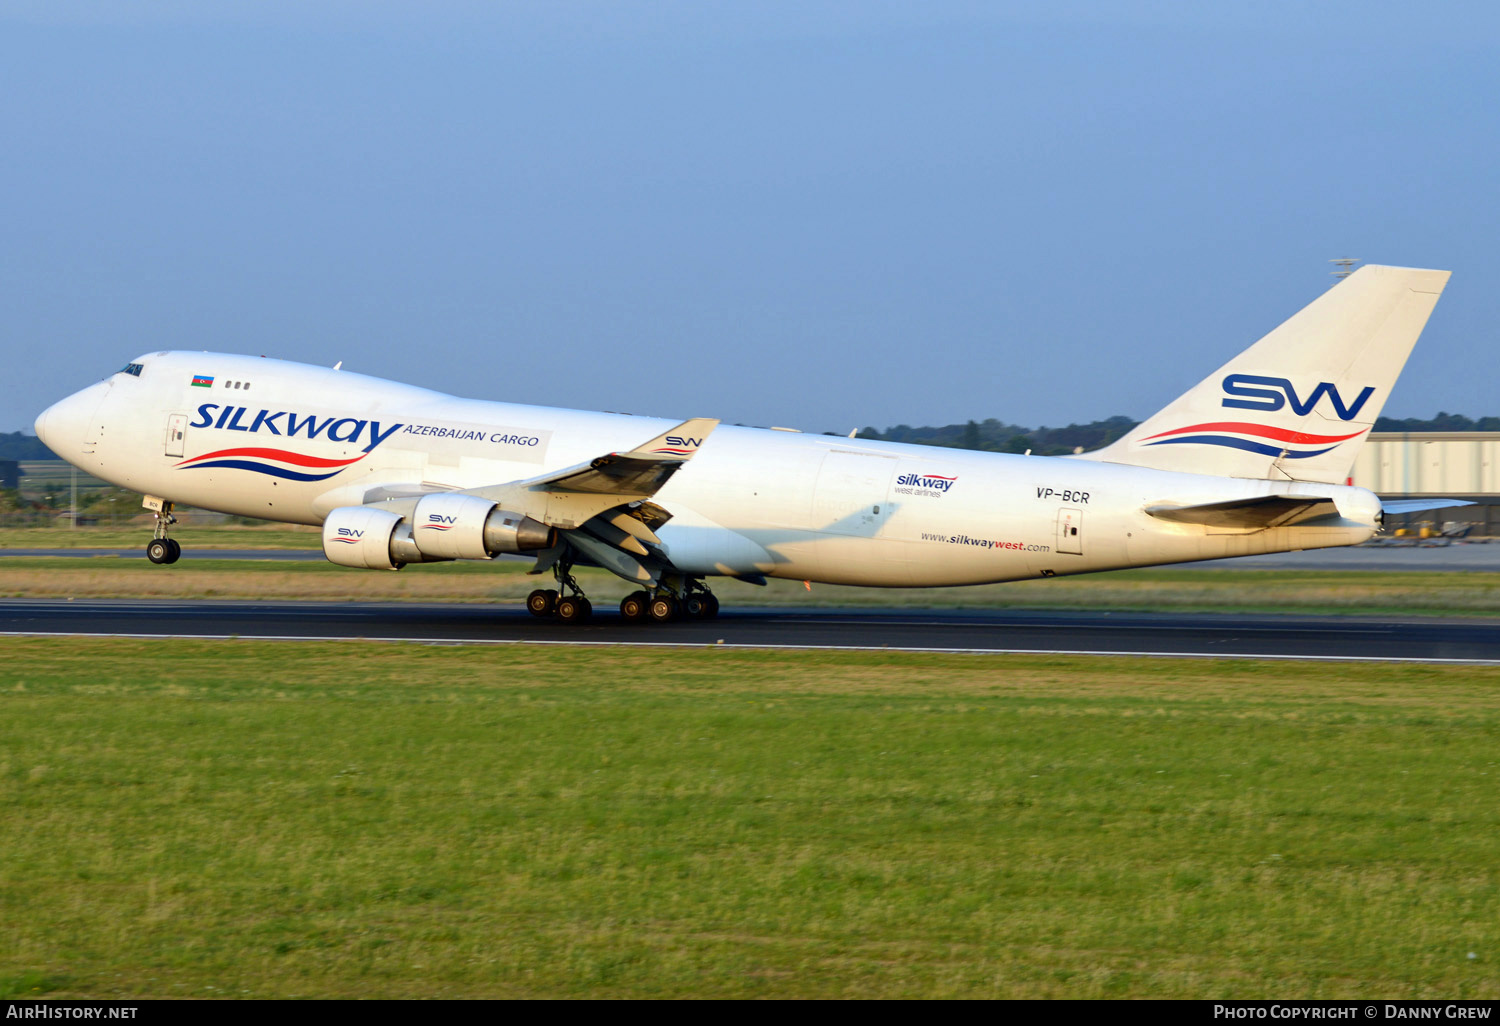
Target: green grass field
(198, 575)
(363, 820)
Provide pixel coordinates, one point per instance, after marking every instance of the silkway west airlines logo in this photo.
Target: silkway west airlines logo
(284, 463)
(907, 483)
(1269, 395)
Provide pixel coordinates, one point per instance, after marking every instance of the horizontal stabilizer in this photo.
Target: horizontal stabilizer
(1257, 513)
(1417, 505)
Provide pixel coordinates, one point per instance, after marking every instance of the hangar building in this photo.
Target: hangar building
(1418, 464)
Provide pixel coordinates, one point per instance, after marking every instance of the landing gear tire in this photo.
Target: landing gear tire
(574, 609)
(176, 552)
(664, 609)
(542, 602)
(635, 607)
(702, 606)
(159, 550)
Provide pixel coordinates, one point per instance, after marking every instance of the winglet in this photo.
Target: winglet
(680, 442)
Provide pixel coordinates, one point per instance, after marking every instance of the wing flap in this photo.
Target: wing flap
(621, 564)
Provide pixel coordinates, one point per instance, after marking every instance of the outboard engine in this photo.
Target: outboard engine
(365, 537)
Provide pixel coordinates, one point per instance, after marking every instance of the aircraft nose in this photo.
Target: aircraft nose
(63, 425)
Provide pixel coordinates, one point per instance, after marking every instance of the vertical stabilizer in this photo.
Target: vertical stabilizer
(1298, 404)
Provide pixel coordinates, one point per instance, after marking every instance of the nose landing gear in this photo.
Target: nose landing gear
(162, 549)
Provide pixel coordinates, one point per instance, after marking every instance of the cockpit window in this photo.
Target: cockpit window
(133, 369)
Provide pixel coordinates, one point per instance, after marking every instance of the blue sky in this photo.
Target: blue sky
(820, 215)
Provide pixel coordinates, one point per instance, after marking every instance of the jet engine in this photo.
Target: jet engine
(450, 525)
(453, 525)
(369, 538)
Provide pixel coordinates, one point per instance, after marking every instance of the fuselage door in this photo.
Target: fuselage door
(1070, 531)
(176, 433)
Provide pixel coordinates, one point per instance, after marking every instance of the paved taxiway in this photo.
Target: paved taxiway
(1218, 635)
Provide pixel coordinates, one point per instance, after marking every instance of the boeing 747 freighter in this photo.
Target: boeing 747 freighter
(1253, 459)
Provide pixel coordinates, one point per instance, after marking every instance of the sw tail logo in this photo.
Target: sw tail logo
(1271, 394)
(1268, 395)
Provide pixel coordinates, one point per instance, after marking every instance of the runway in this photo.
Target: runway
(1188, 635)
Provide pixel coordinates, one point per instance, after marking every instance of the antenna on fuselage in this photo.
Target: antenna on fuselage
(339, 365)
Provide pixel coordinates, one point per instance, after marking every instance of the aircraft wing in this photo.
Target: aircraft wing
(1260, 512)
(639, 472)
(601, 508)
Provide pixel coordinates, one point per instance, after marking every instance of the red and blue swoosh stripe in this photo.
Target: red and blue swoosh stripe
(289, 466)
(1258, 442)
(675, 451)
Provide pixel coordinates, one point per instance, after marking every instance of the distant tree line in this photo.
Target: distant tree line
(16, 446)
(995, 436)
(1442, 422)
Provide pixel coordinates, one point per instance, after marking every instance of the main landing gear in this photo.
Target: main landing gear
(567, 602)
(162, 549)
(663, 605)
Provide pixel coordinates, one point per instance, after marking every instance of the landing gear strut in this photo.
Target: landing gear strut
(162, 549)
(566, 602)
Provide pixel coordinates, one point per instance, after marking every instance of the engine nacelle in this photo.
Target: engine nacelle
(360, 536)
(453, 525)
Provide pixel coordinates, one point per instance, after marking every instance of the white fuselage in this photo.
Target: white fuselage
(290, 442)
